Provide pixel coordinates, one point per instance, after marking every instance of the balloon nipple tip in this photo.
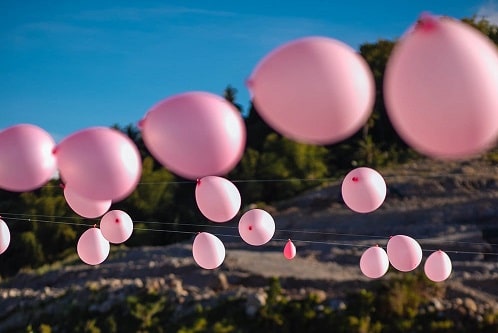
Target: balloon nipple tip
(140, 124)
(355, 179)
(427, 22)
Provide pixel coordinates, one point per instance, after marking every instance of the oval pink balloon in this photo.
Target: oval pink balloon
(208, 250)
(92, 247)
(289, 250)
(363, 190)
(99, 163)
(314, 90)
(26, 158)
(89, 208)
(218, 198)
(374, 262)
(195, 134)
(4, 236)
(404, 253)
(438, 266)
(440, 93)
(256, 227)
(116, 226)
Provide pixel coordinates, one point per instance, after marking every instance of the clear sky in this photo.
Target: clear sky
(68, 65)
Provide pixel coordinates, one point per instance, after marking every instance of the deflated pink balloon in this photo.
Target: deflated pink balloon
(116, 226)
(363, 190)
(99, 163)
(440, 93)
(256, 227)
(208, 250)
(314, 90)
(195, 134)
(289, 250)
(218, 198)
(92, 247)
(89, 208)
(4, 236)
(404, 253)
(26, 158)
(374, 262)
(438, 266)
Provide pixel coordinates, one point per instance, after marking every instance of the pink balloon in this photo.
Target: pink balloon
(256, 227)
(195, 134)
(116, 226)
(89, 208)
(4, 236)
(374, 262)
(99, 163)
(314, 90)
(289, 250)
(404, 253)
(218, 198)
(437, 267)
(440, 93)
(92, 247)
(208, 250)
(26, 158)
(363, 190)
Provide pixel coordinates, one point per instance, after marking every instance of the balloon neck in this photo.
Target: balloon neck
(427, 22)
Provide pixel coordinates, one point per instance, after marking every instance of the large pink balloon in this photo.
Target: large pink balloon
(116, 226)
(26, 158)
(99, 163)
(218, 198)
(4, 236)
(374, 262)
(404, 253)
(289, 250)
(256, 227)
(440, 93)
(89, 208)
(437, 267)
(314, 90)
(195, 134)
(92, 247)
(363, 190)
(208, 250)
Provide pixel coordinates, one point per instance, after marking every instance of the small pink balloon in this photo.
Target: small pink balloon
(116, 226)
(4, 236)
(195, 134)
(208, 250)
(92, 247)
(404, 253)
(374, 262)
(26, 158)
(218, 198)
(89, 208)
(440, 93)
(314, 90)
(438, 267)
(289, 250)
(363, 190)
(99, 163)
(256, 227)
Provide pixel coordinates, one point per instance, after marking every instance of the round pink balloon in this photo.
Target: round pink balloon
(208, 250)
(116, 226)
(256, 227)
(440, 93)
(437, 267)
(99, 163)
(404, 253)
(4, 236)
(26, 158)
(92, 247)
(218, 198)
(374, 262)
(363, 190)
(195, 134)
(289, 250)
(89, 208)
(314, 90)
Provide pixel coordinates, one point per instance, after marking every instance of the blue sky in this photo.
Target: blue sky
(68, 65)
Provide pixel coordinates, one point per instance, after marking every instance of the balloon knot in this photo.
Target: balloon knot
(62, 185)
(250, 227)
(54, 150)
(427, 22)
(95, 226)
(355, 179)
(198, 181)
(116, 220)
